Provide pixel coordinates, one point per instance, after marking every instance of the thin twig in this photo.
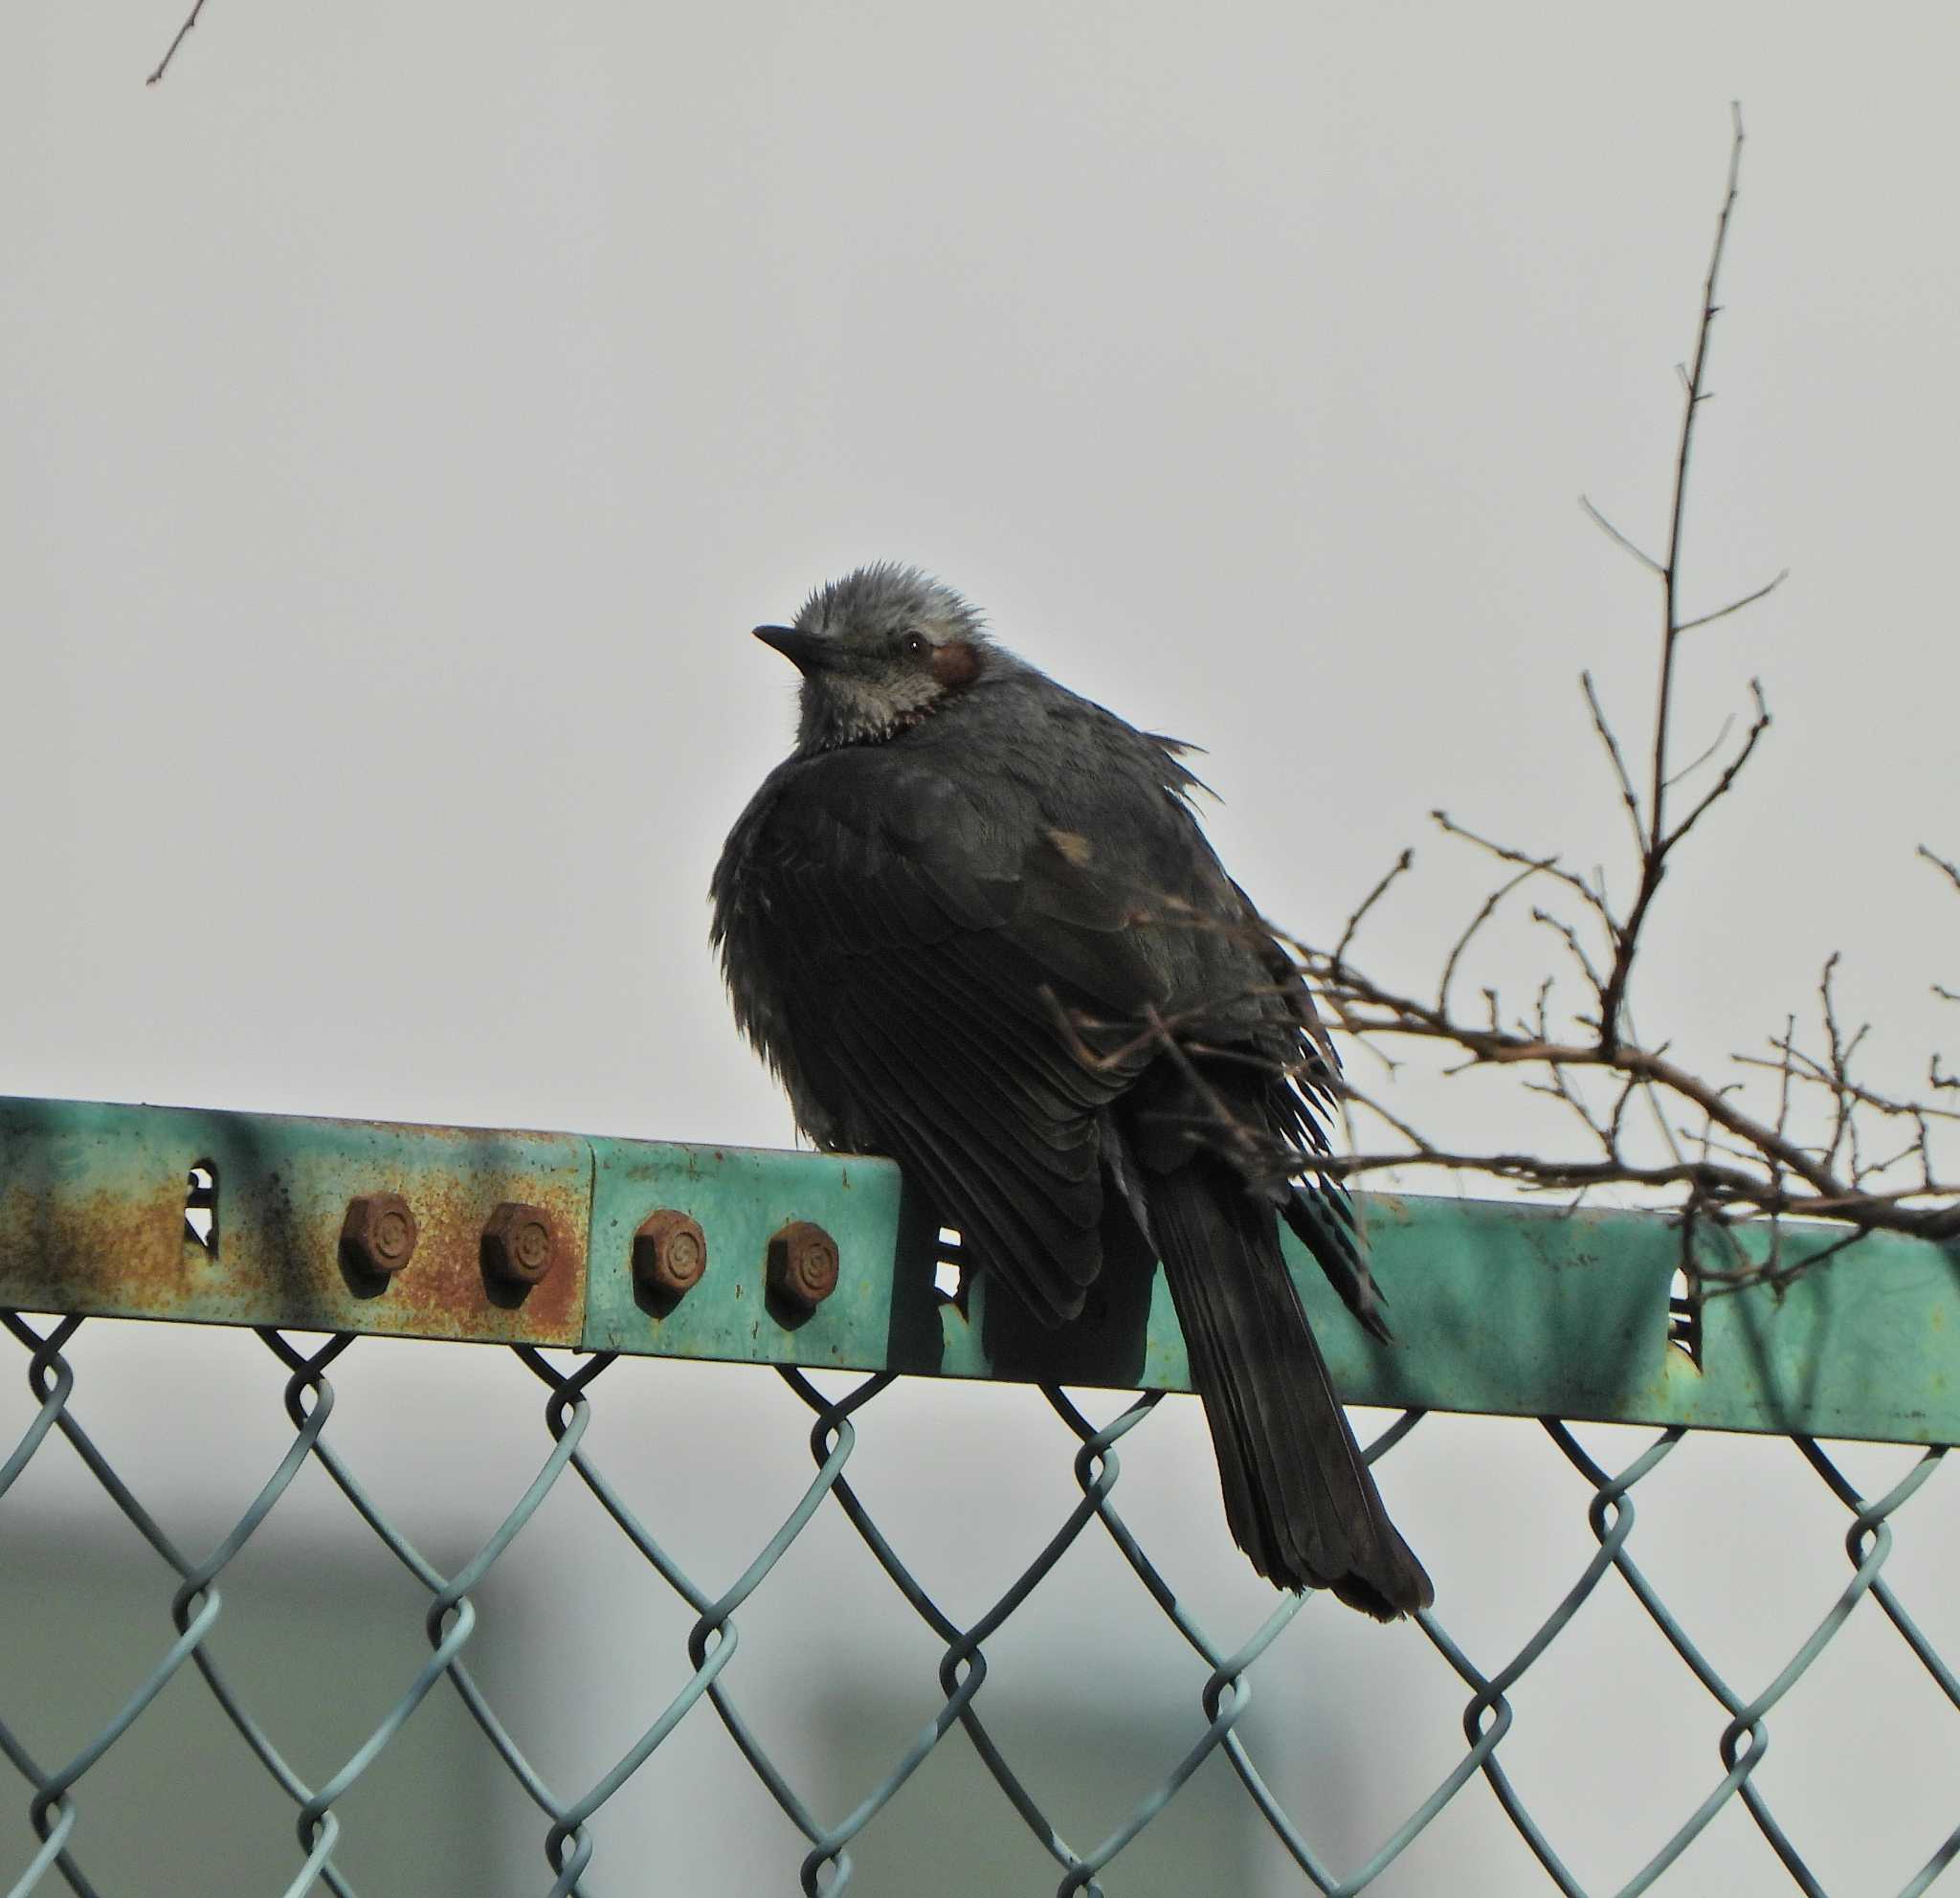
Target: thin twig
(1484, 913)
(1702, 757)
(1654, 862)
(1762, 592)
(1952, 870)
(1545, 867)
(1575, 948)
(170, 51)
(1676, 513)
(1721, 786)
(1628, 796)
(1368, 902)
(1639, 553)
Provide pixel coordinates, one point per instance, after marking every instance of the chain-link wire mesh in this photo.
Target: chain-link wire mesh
(1739, 1714)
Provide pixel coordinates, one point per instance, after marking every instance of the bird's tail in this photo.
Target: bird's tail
(1298, 1496)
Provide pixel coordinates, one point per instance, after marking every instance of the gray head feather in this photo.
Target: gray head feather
(879, 651)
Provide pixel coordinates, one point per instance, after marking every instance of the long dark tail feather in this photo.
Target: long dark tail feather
(1298, 1496)
(1322, 1220)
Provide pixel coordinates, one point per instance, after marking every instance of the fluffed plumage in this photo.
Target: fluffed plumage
(973, 923)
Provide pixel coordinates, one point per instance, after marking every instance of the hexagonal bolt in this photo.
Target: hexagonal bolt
(520, 1243)
(379, 1234)
(803, 1265)
(670, 1252)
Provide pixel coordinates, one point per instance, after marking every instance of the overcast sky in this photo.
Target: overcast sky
(404, 411)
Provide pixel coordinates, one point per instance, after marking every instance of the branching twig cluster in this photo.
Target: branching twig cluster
(1870, 1167)
(1828, 1145)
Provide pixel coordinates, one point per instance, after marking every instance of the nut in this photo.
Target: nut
(803, 1265)
(670, 1252)
(378, 1235)
(520, 1243)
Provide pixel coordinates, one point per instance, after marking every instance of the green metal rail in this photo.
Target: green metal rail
(1498, 1308)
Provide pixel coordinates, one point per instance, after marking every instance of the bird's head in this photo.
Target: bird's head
(879, 651)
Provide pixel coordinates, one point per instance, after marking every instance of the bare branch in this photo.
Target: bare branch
(1373, 1104)
(1484, 915)
(1702, 757)
(1628, 796)
(1677, 514)
(1773, 1270)
(170, 51)
(1952, 870)
(1612, 533)
(1838, 1056)
(1653, 865)
(1758, 725)
(1824, 1145)
(1370, 1011)
(1762, 592)
(1546, 866)
(1570, 936)
(1368, 902)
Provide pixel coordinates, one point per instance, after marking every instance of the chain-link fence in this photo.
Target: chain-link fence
(59, 1197)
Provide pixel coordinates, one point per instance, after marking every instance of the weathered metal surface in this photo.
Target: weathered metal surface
(92, 1202)
(1497, 1307)
(882, 1310)
(1526, 1310)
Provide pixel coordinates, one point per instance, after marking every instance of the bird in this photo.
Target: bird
(973, 923)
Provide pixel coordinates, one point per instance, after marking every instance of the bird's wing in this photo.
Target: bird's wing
(961, 987)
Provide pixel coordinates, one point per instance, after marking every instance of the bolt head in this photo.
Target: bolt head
(520, 1243)
(378, 1234)
(803, 1265)
(670, 1253)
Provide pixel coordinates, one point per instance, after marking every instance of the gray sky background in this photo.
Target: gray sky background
(406, 411)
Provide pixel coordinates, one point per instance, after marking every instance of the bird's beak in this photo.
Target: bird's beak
(806, 652)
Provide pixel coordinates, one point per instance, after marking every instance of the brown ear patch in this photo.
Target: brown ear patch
(957, 662)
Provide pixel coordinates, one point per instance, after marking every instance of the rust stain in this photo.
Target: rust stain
(445, 1291)
(122, 1249)
(96, 1250)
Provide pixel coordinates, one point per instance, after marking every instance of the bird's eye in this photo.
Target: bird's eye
(914, 643)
